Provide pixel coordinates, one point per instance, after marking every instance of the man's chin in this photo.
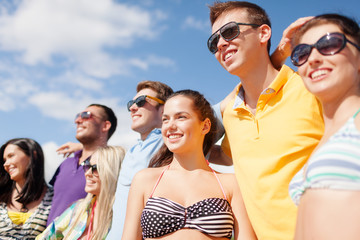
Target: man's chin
(83, 139)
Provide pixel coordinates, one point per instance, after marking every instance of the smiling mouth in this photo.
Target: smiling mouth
(318, 74)
(174, 136)
(229, 55)
(10, 170)
(90, 182)
(135, 116)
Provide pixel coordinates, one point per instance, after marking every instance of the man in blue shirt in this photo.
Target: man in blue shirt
(146, 110)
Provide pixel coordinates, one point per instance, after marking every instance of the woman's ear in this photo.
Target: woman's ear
(206, 126)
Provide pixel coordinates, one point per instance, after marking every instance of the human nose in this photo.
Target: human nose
(222, 43)
(133, 107)
(167, 125)
(315, 57)
(172, 124)
(6, 163)
(78, 119)
(88, 172)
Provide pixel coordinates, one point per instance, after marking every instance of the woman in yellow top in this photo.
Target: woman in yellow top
(25, 199)
(90, 218)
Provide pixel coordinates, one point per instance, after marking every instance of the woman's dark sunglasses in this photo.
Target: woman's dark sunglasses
(228, 32)
(141, 100)
(87, 166)
(329, 44)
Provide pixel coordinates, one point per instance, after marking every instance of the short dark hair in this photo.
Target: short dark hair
(204, 110)
(162, 90)
(255, 14)
(347, 25)
(109, 116)
(34, 175)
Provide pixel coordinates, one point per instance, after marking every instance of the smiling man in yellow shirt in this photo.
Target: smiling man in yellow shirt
(272, 123)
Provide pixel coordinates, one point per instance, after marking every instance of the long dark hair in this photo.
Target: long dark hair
(34, 183)
(204, 110)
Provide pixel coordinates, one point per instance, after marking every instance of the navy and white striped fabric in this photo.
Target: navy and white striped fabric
(35, 224)
(335, 165)
(212, 216)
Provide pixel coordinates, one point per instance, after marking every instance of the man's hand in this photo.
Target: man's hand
(68, 148)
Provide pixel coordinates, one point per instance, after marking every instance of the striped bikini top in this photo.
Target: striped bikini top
(335, 165)
(212, 216)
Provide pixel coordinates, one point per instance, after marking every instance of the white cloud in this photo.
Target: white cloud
(193, 23)
(152, 60)
(52, 159)
(16, 87)
(76, 79)
(60, 105)
(61, 55)
(7, 103)
(77, 30)
(13, 93)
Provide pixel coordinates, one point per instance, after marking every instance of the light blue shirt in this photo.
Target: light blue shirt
(136, 159)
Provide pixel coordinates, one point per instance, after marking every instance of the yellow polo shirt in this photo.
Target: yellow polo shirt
(270, 148)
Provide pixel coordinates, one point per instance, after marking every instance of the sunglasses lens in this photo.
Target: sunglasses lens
(212, 43)
(94, 170)
(86, 167)
(230, 31)
(129, 104)
(300, 54)
(140, 101)
(85, 115)
(330, 44)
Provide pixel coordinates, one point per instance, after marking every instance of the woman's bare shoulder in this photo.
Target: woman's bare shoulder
(227, 176)
(148, 174)
(227, 179)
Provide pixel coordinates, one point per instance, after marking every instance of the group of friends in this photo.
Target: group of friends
(293, 138)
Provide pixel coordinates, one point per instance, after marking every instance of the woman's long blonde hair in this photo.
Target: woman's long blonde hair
(108, 163)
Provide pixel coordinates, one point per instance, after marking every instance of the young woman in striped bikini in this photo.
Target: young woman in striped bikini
(327, 189)
(182, 197)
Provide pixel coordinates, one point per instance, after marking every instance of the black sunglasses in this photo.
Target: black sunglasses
(141, 100)
(228, 32)
(86, 166)
(329, 44)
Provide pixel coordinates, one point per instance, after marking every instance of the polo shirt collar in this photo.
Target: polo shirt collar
(154, 133)
(274, 87)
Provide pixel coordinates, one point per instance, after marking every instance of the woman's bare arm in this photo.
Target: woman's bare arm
(135, 206)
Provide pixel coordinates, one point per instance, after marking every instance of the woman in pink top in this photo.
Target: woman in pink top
(181, 197)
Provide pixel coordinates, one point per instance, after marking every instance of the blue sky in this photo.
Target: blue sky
(58, 56)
